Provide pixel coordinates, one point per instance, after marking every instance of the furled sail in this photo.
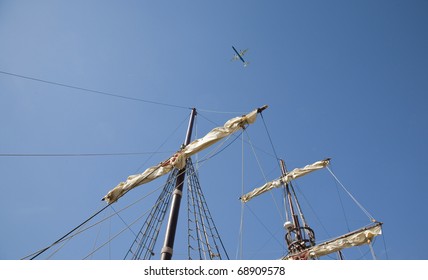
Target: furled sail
(357, 238)
(294, 174)
(178, 160)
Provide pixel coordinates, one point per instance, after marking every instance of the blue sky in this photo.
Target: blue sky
(343, 79)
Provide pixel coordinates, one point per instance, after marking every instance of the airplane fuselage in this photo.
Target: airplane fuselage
(237, 53)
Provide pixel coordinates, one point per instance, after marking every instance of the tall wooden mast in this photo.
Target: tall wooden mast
(299, 235)
(167, 249)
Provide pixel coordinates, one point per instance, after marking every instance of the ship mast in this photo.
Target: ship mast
(299, 235)
(167, 249)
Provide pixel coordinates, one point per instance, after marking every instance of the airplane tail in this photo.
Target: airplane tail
(246, 63)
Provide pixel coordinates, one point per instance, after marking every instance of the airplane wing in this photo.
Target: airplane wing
(243, 52)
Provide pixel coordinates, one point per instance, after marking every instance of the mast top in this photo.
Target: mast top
(264, 107)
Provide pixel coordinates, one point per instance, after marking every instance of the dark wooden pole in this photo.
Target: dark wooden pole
(168, 246)
(290, 202)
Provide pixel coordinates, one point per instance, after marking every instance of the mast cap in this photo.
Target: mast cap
(264, 107)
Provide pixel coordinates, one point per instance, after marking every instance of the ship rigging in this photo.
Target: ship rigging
(203, 235)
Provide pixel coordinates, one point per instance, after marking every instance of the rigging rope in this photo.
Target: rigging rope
(384, 246)
(248, 141)
(270, 139)
(93, 91)
(372, 251)
(57, 250)
(191, 173)
(148, 233)
(68, 236)
(299, 190)
(123, 220)
(264, 176)
(206, 230)
(116, 212)
(352, 197)
(119, 233)
(279, 165)
(97, 237)
(264, 226)
(241, 225)
(164, 142)
(220, 112)
(343, 208)
(36, 254)
(115, 95)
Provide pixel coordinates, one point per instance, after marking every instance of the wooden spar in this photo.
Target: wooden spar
(290, 203)
(167, 250)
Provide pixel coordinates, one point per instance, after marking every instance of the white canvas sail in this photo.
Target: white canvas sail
(357, 238)
(294, 174)
(178, 160)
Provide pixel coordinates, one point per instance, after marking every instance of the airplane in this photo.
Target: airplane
(240, 55)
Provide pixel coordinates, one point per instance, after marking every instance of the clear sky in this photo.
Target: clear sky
(343, 79)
